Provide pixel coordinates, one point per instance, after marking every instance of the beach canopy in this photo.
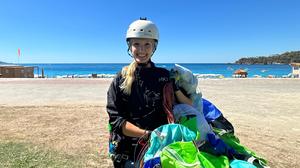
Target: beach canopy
(240, 73)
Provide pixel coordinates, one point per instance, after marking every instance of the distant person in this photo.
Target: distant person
(135, 96)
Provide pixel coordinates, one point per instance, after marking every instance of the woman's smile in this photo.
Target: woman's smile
(142, 49)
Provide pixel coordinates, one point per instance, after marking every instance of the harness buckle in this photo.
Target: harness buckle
(125, 157)
(118, 158)
(121, 157)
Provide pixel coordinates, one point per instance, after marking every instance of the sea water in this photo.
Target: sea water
(200, 69)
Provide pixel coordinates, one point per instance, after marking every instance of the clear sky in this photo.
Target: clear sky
(191, 31)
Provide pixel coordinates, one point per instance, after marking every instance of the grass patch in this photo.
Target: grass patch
(13, 154)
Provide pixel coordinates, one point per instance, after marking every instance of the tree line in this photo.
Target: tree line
(285, 58)
(2, 62)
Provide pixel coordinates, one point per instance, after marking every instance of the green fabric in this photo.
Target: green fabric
(186, 155)
(109, 128)
(179, 155)
(191, 124)
(209, 160)
(232, 141)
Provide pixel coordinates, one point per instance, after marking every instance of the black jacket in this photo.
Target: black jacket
(143, 107)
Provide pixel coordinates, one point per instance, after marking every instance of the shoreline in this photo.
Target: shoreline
(110, 78)
(199, 76)
(201, 70)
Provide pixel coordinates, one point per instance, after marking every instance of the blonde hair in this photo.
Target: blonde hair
(128, 75)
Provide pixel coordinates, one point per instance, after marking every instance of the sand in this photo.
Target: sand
(68, 115)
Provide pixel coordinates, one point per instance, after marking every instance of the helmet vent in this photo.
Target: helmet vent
(142, 29)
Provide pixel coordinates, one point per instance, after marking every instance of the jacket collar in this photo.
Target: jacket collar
(142, 66)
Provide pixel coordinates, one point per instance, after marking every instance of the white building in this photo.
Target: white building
(295, 70)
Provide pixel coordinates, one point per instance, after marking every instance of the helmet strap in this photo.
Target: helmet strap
(144, 64)
(129, 52)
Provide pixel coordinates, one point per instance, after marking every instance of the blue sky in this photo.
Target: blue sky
(195, 31)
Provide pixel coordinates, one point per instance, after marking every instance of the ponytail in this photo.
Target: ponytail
(128, 75)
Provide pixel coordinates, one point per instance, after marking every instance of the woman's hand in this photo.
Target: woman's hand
(182, 98)
(132, 130)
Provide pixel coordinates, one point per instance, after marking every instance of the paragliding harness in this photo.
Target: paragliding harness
(116, 152)
(114, 148)
(118, 155)
(168, 100)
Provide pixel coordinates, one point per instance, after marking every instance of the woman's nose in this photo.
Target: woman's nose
(141, 48)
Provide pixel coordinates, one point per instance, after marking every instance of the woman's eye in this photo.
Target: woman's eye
(136, 44)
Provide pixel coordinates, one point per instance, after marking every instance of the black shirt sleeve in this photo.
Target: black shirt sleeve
(113, 107)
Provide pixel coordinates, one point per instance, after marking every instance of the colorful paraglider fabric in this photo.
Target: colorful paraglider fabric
(165, 135)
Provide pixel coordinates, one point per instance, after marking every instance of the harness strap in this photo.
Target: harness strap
(168, 99)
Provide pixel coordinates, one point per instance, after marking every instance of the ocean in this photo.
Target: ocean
(205, 70)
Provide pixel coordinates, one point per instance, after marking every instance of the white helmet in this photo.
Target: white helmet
(142, 28)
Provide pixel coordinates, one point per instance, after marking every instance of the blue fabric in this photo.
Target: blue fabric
(186, 79)
(210, 111)
(165, 135)
(219, 146)
(197, 101)
(152, 163)
(189, 82)
(181, 110)
(241, 164)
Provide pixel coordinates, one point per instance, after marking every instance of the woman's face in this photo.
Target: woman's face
(141, 49)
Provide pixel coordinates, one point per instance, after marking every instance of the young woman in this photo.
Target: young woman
(135, 96)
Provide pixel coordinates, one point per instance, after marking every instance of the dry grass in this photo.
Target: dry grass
(75, 130)
(14, 154)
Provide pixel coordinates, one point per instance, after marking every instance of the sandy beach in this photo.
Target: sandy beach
(69, 115)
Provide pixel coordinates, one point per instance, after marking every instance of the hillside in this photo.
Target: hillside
(285, 58)
(2, 62)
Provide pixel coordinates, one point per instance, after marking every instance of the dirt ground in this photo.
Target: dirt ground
(69, 115)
